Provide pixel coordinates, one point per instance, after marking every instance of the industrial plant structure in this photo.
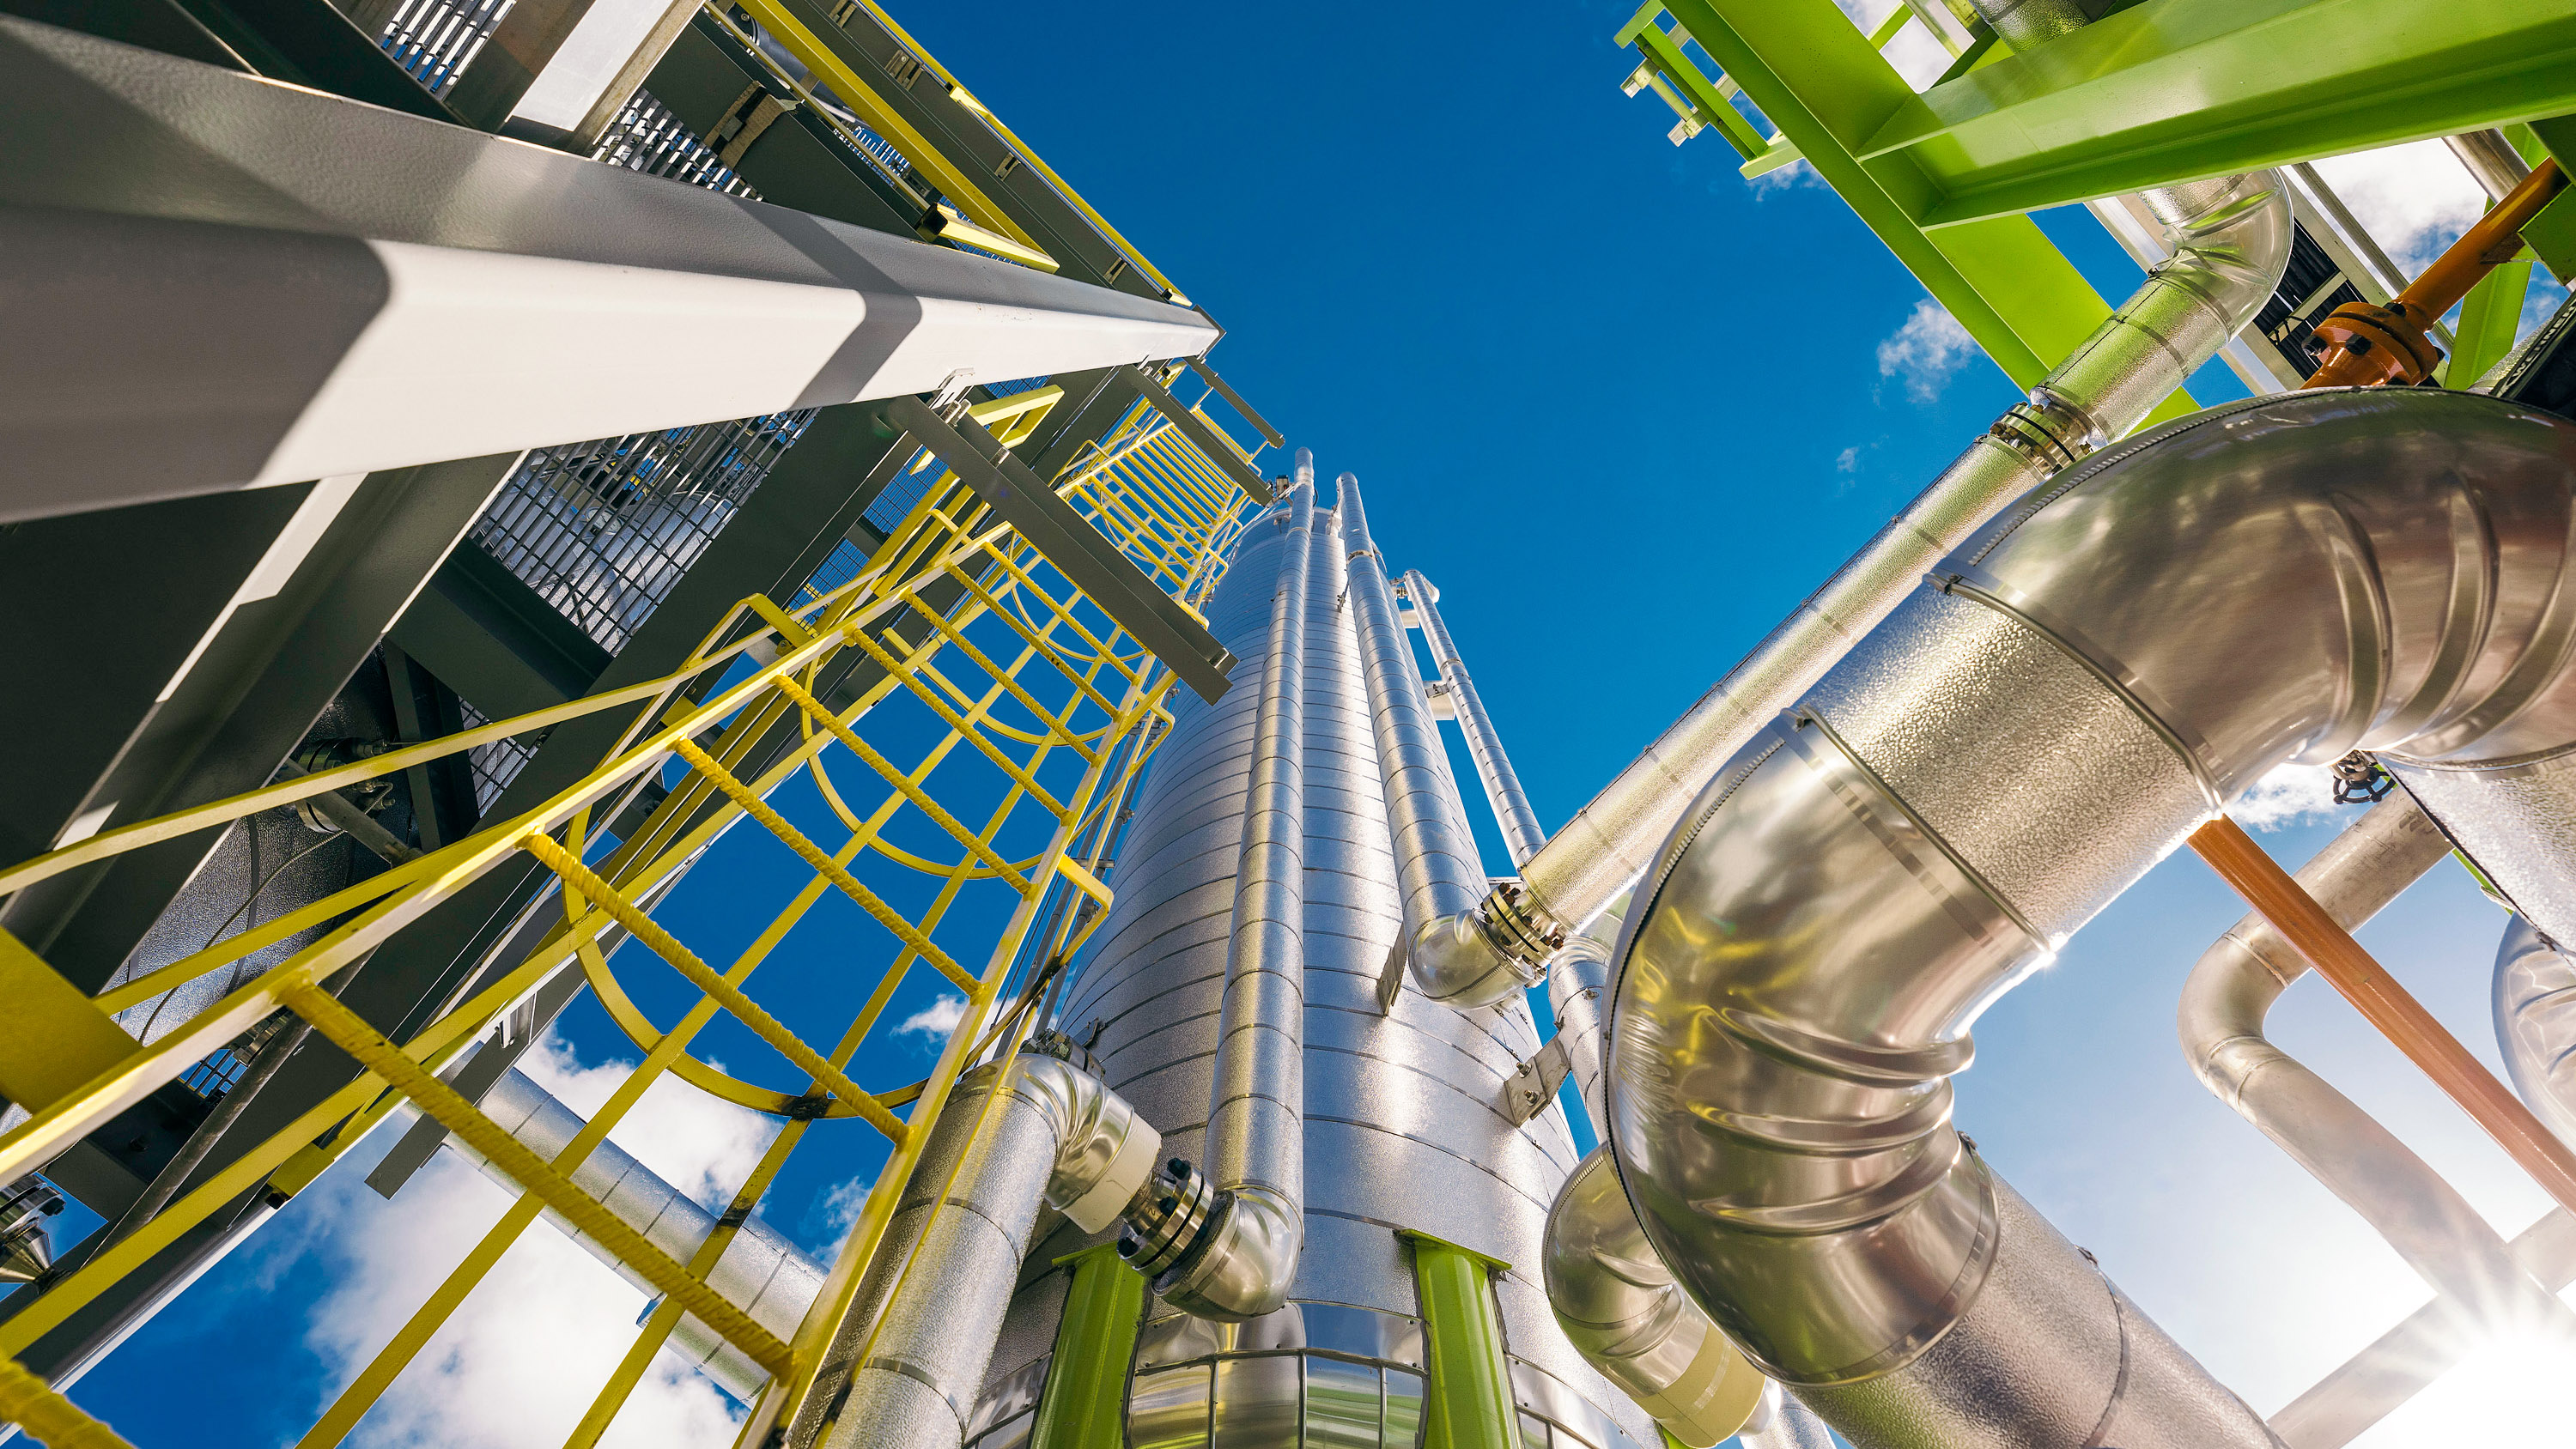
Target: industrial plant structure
(454, 641)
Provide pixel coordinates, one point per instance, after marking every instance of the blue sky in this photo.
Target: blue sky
(1625, 410)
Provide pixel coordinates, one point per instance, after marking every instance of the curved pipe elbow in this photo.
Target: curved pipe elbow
(2230, 242)
(1248, 1263)
(2346, 569)
(1621, 1309)
(2535, 1013)
(1105, 1152)
(1454, 961)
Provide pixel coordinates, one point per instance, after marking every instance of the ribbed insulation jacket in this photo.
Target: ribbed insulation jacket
(1402, 1114)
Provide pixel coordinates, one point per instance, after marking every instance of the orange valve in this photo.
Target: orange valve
(2369, 344)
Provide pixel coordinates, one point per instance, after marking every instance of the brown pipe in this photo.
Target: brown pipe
(2370, 344)
(2388, 1006)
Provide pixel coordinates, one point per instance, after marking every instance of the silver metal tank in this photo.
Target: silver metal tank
(1404, 1122)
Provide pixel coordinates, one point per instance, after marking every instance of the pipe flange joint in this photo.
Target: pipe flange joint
(2047, 432)
(1524, 934)
(1168, 1219)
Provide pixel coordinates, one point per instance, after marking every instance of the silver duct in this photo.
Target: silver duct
(1522, 834)
(1621, 1309)
(2535, 1021)
(2410, 1205)
(761, 1272)
(1055, 1135)
(2230, 241)
(1241, 1264)
(2007, 753)
(1438, 875)
(1576, 982)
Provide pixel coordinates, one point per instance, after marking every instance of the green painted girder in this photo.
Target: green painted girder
(1084, 1403)
(1810, 71)
(1468, 1395)
(2177, 90)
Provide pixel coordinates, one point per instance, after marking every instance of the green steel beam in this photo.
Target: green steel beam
(2489, 317)
(1084, 1404)
(1818, 79)
(1467, 1403)
(2175, 90)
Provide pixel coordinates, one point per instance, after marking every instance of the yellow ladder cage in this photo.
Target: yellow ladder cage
(1038, 707)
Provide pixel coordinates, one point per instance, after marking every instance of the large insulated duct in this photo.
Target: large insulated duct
(1053, 1134)
(1621, 1309)
(1522, 834)
(2230, 240)
(1239, 1265)
(2220, 1020)
(1437, 871)
(2052, 712)
(2535, 1020)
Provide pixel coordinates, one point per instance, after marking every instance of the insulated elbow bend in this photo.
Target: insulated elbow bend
(1105, 1152)
(1623, 1312)
(2230, 242)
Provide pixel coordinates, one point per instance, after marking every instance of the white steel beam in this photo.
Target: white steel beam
(213, 281)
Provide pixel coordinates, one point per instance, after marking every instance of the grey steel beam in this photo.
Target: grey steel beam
(286, 630)
(493, 640)
(235, 284)
(1220, 449)
(1225, 390)
(1070, 542)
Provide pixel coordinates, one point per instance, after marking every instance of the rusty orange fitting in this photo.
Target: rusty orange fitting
(2365, 983)
(2369, 344)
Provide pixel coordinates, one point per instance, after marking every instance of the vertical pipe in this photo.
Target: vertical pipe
(1522, 834)
(1437, 871)
(1256, 1138)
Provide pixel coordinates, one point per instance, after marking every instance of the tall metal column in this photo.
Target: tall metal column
(1522, 834)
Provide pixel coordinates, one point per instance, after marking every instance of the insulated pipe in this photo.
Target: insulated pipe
(1522, 834)
(2535, 1020)
(1256, 1134)
(1578, 982)
(1621, 1309)
(1054, 1134)
(1438, 875)
(2420, 1215)
(761, 1272)
(2379, 569)
(2229, 239)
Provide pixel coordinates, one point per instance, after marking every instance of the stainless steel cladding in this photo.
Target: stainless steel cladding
(2230, 240)
(1620, 1307)
(1055, 1137)
(1436, 867)
(1522, 834)
(2420, 1215)
(2007, 753)
(1403, 1113)
(2535, 1020)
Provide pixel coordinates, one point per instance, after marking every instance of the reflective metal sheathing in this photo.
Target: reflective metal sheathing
(761, 1272)
(1781, 1422)
(2535, 1016)
(2229, 239)
(1522, 834)
(1435, 852)
(2019, 742)
(1052, 1135)
(2422, 1216)
(1622, 1310)
(1404, 1126)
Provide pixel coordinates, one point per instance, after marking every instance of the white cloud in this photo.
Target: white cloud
(1786, 178)
(518, 1363)
(937, 1019)
(2413, 199)
(1848, 460)
(2286, 796)
(1927, 351)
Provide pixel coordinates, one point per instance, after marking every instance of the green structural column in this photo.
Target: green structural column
(1468, 1403)
(1084, 1403)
